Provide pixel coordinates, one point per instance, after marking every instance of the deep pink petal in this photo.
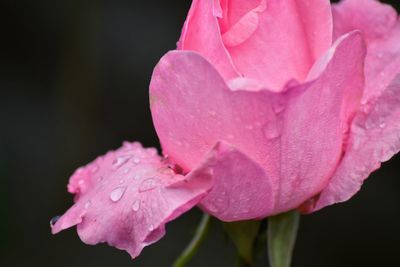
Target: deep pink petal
(126, 197)
(375, 138)
(201, 33)
(381, 28)
(277, 41)
(296, 135)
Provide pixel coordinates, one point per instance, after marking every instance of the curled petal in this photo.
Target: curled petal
(201, 33)
(296, 135)
(126, 197)
(276, 41)
(269, 41)
(380, 26)
(242, 189)
(375, 138)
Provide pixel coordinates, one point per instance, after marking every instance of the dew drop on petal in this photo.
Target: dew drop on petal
(117, 193)
(136, 205)
(94, 169)
(54, 220)
(88, 204)
(231, 136)
(136, 160)
(249, 127)
(148, 184)
(119, 161)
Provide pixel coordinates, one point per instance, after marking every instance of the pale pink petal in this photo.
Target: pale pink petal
(375, 138)
(316, 123)
(126, 197)
(201, 33)
(242, 190)
(296, 135)
(381, 28)
(277, 41)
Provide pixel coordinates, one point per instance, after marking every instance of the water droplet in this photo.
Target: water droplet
(121, 181)
(148, 184)
(137, 176)
(249, 127)
(54, 220)
(94, 169)
(81, 182)
(151, 227)
(179, 143)
(121, 160)
(271, 130)
(127, 170)
(136, 160)
(126, 146)
(136, 205)
(212, 113)
(88, 204)
(382, 125)
(79, 170)
(117, 193)
(231, 136)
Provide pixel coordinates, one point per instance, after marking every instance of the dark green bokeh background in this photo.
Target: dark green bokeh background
(74, 78)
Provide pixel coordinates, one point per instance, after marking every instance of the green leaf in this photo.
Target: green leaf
(282, 232)
(243, 235)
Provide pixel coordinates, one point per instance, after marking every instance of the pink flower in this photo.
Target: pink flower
(266, 106)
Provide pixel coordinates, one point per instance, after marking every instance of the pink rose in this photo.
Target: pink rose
(266, 106)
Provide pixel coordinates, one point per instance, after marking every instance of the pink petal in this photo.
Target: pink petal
(242, 191)
(201, 33)
(296, 135)
(126, 197)
(277, 41)
(375, 138)
(381, 28)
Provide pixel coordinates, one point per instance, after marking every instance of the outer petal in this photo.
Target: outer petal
(296, 136)
(375, 138)
(243, 189)
(277, 41)
(201, 33)
(126, 197)
(381, 27)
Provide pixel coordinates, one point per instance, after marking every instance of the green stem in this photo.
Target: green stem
(194, 244)
(282, 232)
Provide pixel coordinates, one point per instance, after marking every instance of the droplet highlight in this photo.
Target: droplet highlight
(119, 161)
(88, 204)
(54, 220)
(117, 194)
(136, 205)
(148, 184)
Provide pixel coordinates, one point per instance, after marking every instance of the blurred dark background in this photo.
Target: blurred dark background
(74, 79)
